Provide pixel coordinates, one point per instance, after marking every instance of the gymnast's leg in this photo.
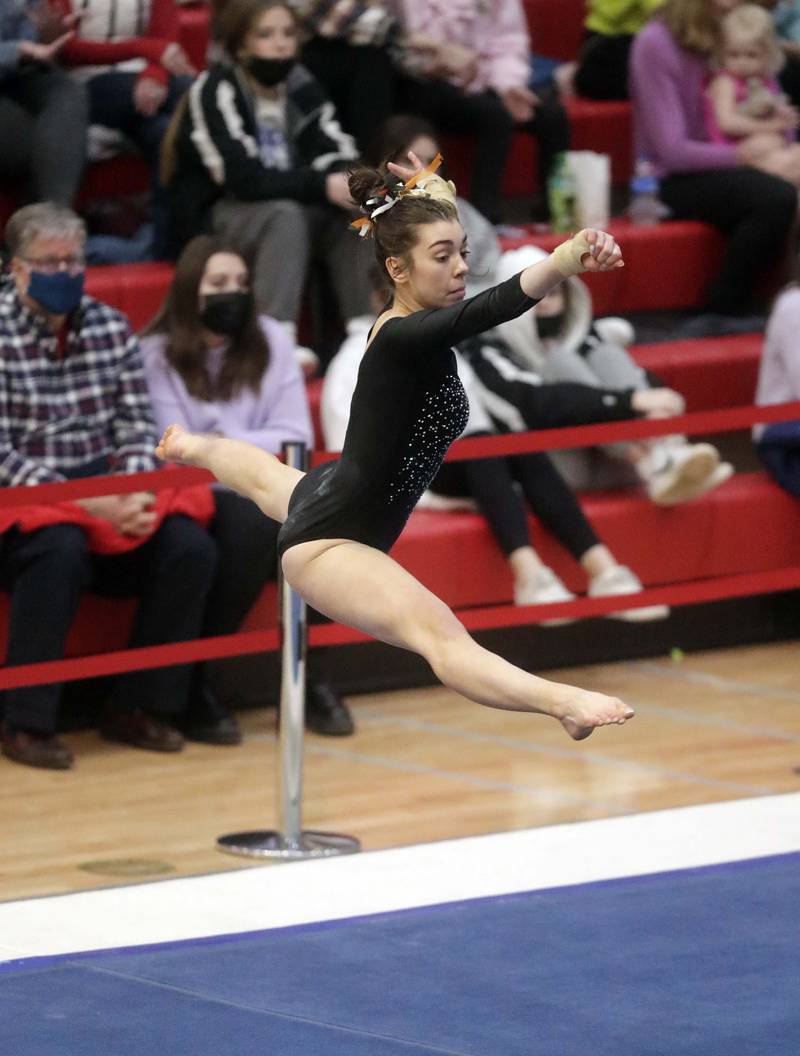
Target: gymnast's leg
(241, 466)
(366, 589)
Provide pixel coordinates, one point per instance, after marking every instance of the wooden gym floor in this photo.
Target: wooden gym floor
(425, 765)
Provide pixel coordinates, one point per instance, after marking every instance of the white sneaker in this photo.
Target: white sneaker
(723, 472)
(683, 474)
(546, 589)
(620, 581)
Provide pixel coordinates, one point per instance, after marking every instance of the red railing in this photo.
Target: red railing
(489, 617)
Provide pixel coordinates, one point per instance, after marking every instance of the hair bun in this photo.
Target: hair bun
(365, 183)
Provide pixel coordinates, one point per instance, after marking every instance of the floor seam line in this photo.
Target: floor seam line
(242, 1006)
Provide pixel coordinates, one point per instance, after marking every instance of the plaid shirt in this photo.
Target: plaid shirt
(59, 413)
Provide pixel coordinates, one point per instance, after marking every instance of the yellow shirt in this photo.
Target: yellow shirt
(619, 16)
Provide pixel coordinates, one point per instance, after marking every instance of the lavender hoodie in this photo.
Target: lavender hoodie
(667, 84)
(277, 412)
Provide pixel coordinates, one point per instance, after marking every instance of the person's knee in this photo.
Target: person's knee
(65, 549)
(491, 114)
(776, 203)
(71, 98)
(286, 217)
(445, 637)
(185, 546)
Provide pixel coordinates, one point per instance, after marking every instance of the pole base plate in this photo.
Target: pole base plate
(272, 844)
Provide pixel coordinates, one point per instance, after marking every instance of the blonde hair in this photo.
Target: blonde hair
(752, 24)
(693, 23)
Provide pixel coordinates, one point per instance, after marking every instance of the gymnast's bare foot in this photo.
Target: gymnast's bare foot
(582, 712)
(178, 445)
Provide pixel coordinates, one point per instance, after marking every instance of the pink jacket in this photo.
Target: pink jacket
(495, 29)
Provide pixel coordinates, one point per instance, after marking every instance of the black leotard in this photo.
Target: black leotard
(408, 407)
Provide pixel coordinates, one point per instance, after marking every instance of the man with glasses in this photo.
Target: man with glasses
(74, 402)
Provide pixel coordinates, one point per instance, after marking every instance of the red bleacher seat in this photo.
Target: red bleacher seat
(707, 372)
(193, 32)
(135, 289)
(667, 265)
(556, 26)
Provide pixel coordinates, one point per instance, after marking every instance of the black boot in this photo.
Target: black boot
(208, 720)
(326, 712)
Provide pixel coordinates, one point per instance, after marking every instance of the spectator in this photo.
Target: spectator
(213, 365)
(752, 200)
(42, 113)
(601, 69)
(74, 402)
(127, 53)
(492, 483)
(347, 50)
(468, 67)
(259, 157)
(778, 445)
(560, 342)
(744, 102)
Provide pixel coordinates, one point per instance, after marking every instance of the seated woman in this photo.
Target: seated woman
(560, 342)
(466, 66)
(749, 198)
(213, 365)
(778, 445)
(258, 156)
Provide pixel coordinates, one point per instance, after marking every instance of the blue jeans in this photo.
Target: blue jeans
(779, 450)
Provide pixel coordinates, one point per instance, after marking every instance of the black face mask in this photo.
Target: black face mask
(270, 72)
(225, 313)
(550, 325)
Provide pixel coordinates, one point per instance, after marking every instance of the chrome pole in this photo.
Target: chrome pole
(292, 843)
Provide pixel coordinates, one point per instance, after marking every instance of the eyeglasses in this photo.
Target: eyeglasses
(73, 264)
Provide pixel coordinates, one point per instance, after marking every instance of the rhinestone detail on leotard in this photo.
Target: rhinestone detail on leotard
(443, 418)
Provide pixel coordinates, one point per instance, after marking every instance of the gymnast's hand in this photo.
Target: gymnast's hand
(603, 253)
(589, 250)
(405, 172)
(658, 403)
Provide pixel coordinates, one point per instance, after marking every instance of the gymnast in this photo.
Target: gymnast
(340, 520)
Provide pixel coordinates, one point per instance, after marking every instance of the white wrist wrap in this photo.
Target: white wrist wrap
(567, 256)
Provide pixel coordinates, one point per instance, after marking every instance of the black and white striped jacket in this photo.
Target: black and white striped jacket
(217, 152)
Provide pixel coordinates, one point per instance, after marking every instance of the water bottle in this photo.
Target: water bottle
(645, 206)
(562, 195)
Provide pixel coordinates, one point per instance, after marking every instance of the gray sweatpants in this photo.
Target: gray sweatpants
(43, 125)
(284, 238)
(606, 366)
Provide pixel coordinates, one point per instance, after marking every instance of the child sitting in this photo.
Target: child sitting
(744, 103)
